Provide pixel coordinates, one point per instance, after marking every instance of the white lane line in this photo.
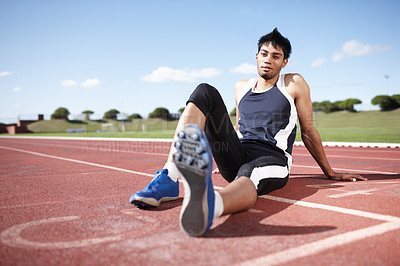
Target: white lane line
(293, 253)
(364, 214)
(351, 157)
(87, 138)
(353, 192)
(296, 143)
(140, 140)
(139, 173)
(295, 165)
(102, 148)
(323, 244)
(78, 161)
(347, 170)
(392, 223)
(302, 203)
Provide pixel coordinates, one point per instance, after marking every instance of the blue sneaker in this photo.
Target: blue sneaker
(160, 189)
(193, 159)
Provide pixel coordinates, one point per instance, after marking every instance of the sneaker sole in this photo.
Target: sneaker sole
(193, 165)
(147, 203)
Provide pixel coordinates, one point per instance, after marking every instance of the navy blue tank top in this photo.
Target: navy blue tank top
(268, 118)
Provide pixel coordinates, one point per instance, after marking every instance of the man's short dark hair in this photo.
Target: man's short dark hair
(276, 39)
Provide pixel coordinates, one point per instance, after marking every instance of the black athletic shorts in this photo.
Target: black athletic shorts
(267, 167)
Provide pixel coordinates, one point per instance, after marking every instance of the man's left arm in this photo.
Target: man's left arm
(309, 133)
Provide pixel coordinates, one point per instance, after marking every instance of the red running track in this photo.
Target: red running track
(66, 202)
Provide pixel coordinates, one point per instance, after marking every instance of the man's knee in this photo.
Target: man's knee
(206, 89)
(206, 98)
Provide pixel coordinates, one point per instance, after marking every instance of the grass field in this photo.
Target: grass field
(367, 126)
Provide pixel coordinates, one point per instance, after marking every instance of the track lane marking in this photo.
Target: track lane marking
(100, 148)
(393, 223)
(353, 192)
(302, 203)
(140, 173)
(348, 170)
(349, 157)
(322, 245)
(78, 161)
(364, 214)
(13, 236)
(168, 141)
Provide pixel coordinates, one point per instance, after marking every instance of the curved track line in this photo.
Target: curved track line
(12, 236)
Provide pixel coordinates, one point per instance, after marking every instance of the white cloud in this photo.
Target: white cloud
(91, 83)
(354, 49)
(164, 74)
(69, 83)
(318, 62)
(17, 89)
(245, 68)
(5, 73)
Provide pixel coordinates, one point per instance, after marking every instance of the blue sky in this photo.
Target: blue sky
(135, 56)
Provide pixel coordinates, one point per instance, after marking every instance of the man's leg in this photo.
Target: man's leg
(165, 184)
(258, 177)
(225, 145)
(206, 109)
(240, 195)
(201, 204)
(191, 115)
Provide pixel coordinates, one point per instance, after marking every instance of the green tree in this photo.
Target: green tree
(348, 105)
(233, 112)
(111, 114)
(162, 113)
(134, 116)
(317, 107)
(385, 102)
(60, 113)
(328, 107)
(87, 114)
(396, 97)
(181, 110)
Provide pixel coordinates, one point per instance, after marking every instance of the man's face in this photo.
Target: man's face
(270, 61)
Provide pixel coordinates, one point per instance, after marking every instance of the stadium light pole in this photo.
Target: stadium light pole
(387, 87)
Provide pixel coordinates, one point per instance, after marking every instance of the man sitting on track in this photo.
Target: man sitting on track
(255, 160)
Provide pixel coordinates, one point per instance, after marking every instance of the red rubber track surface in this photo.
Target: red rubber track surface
(66, 202)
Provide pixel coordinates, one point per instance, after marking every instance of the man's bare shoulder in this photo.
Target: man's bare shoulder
(293, 79)
(296, 85)
(240, 88)
(241, 84)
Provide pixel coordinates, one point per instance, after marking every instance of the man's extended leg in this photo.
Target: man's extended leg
(165, 184)
(206, 109)
(191, 115)
(201, 203)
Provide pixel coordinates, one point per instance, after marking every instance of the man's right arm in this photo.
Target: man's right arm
(309, 133)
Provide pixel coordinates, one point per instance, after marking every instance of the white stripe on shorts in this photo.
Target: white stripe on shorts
(271, 171)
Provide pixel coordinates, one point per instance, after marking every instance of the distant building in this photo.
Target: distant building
(20, 127)
(176, 115)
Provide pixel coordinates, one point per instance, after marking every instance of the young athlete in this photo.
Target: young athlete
(255, 160)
